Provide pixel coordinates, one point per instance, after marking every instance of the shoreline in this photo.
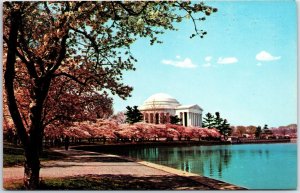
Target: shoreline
(93, 164)
(108, 148)
(261, 141)
(113, 146)
(115, 149)
(213, 184)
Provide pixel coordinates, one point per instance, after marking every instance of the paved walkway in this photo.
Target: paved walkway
(83, 163)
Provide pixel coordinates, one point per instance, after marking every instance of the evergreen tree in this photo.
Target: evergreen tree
(225, 128)
(211, 121)
(133, 115)
(266, 130)
(217, 122)
(258, 132)
(175, 119)
(208, 121)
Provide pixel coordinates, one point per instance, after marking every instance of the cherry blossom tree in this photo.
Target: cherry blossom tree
(119, 118)
(109, 129)
(160, 130)
(87, 43)
(214, 133)
(200, 133)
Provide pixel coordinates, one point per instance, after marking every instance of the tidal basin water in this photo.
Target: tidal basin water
(253, 166)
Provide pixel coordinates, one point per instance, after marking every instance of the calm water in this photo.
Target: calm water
(254, 166)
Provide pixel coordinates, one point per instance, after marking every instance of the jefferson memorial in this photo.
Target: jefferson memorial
(159, 107)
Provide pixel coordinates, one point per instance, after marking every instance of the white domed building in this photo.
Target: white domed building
(159, 107)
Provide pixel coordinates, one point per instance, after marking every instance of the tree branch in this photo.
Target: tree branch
(29, 65)
(57, 117)
(48, 11)
(24, 47)
(130, 11)
(63, 45)
(71, 77)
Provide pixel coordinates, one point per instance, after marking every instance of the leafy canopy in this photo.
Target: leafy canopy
(86, 44)
(61, 57)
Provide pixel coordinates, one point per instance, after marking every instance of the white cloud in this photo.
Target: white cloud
(178, 57)
(186, 63)
(227, 60)
(265, 56)
(206, 65)
(208, 58)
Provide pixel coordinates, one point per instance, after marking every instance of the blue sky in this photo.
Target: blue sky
(245, 67)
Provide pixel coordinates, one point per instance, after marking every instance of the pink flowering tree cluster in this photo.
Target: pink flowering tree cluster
(112, 130)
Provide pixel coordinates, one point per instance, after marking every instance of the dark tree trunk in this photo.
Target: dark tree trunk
(32, 168)
(34, 147)
(9, 75)
(35, 143)
(32, 162)
(32, 143)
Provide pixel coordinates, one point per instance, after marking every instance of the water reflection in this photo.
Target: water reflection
(185, 158)
(213, 159)
(252, 166)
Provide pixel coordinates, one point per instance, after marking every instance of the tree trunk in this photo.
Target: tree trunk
(31, 163)
(32, 143)
(33, 149)
(35, 143)
(9, 77)
(32, 168)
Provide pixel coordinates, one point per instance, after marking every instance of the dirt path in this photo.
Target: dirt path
(82, 163)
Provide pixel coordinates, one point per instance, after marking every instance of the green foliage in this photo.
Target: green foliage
(208, 121)
(224, 128)
(175, 119)
(211, 121)
(133, 115)
(258, 132)
(266, 130)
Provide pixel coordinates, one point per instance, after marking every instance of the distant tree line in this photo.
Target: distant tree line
(259, 132)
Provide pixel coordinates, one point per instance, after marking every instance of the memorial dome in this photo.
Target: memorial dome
(160, 101)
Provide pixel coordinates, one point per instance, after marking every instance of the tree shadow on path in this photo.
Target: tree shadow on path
(122, 182)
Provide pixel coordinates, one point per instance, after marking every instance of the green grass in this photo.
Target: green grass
(13, 155)
(114, 182)
(81, 183)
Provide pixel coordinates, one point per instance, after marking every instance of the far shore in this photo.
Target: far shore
(115, 146)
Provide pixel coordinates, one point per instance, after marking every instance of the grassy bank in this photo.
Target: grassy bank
(13, 155)
(70, 183)
(113, 182)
